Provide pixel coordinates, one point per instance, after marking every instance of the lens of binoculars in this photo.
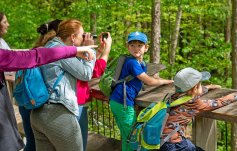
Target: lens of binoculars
(94, 36)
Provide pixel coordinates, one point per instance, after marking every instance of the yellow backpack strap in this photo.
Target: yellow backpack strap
(180, 101)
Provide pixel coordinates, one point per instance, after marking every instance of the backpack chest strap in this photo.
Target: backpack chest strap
(177, 128)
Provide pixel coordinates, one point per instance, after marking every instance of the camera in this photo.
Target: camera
(92, 35)
(104, 35)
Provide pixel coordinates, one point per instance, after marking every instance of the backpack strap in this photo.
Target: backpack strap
(115, 81)
(132, 130)
(177, 102)
(126, 79)
(118, 70)
(51, 90)
(170, 134)
(180, 101)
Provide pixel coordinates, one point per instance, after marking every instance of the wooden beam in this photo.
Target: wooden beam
(204, 133)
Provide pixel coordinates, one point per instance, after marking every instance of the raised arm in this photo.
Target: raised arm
(148, 80)
(16, 60)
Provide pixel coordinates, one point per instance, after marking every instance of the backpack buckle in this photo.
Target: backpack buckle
(139, 147)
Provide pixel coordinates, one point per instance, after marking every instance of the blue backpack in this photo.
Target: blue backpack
(30, 90)
(147, 130)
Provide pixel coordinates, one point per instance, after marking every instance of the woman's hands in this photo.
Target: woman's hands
(105, 44)
(88, 39)
(86, 52)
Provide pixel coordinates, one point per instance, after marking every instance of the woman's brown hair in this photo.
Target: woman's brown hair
(68, 27)
(2, 14)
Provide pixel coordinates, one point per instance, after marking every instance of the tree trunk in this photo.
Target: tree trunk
(234, 45)
(138, 24)
(155, 35)
(93, 23)
(234, 67)
(228, 24)
(175, 36)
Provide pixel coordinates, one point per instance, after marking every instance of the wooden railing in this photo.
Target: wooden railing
(204, 129)
(101, 119)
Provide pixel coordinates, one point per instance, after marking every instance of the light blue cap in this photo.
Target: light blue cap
(137, 36)
(187, 78)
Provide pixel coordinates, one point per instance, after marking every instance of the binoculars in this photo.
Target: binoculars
(104, 35)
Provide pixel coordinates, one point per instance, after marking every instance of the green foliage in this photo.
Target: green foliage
(201, 39)
(224, 138)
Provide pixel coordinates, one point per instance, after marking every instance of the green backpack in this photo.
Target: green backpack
(146, 131)
(111, 75)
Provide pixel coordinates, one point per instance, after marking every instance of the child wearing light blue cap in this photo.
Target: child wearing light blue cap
(137, 44)
(188, 83)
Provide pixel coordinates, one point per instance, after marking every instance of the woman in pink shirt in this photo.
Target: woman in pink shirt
(83, 90)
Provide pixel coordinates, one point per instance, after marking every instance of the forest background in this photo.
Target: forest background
(195, 33)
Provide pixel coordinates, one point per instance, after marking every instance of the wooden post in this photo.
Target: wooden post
(204, 133)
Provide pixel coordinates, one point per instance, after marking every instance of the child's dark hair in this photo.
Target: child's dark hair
(47, 32)
(52, 25)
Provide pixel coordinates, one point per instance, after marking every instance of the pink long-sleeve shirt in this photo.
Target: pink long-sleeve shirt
(83, 90)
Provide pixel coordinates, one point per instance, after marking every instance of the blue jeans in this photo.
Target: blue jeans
(184, 145)
(30, 140)
(83, 122)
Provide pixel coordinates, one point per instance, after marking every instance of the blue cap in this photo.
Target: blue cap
(137, 36)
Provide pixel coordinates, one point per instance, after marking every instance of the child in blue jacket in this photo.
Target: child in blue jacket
(123, 109)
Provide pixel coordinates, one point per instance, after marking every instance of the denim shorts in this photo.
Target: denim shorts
(184, 145)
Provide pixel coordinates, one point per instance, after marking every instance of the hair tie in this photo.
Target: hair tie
(47, 27)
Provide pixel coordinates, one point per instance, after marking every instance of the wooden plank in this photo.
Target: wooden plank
(216, 93)
(19, 121)
(204, 133)
(155, 94)
(10, 79)
(153, 68)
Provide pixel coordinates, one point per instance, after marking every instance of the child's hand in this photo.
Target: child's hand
(165, 81)
(156, 76)
(213, 86)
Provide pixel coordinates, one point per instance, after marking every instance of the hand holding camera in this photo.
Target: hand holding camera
(104, 35)
(105, 45)
(104, 40)
(88, 39)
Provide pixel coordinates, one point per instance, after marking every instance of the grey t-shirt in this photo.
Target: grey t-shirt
(3, 44)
